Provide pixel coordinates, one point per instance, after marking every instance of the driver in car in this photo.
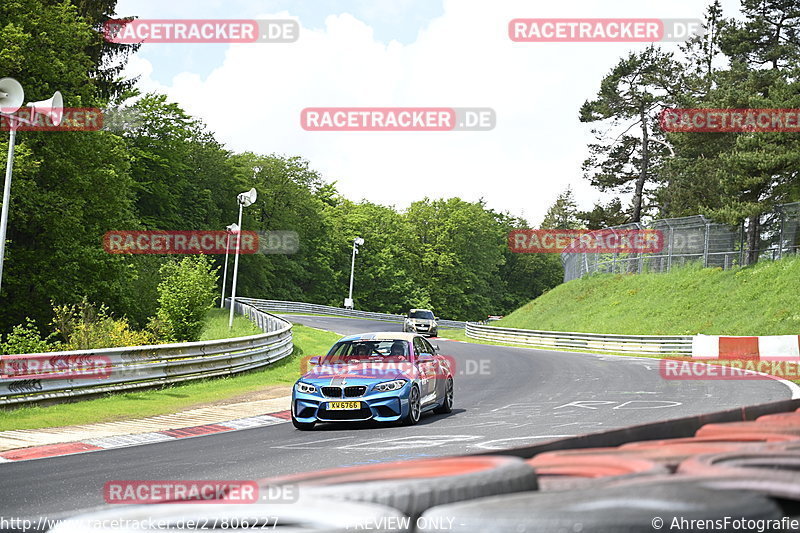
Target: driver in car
(398, 350)
(362, 350)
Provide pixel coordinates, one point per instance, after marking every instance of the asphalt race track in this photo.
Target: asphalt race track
(504, 397)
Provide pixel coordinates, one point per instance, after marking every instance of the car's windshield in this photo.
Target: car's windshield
(425, 315)
(388, 350)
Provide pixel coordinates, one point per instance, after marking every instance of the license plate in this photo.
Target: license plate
(341, 406)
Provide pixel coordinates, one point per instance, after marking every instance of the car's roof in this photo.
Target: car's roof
(381, 336)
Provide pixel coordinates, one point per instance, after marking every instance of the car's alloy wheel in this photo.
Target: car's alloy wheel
(414, 407)
(447, 404)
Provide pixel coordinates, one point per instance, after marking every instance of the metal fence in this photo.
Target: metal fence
(634, 344)
(143, 366)
(283, 306)
(696, 239)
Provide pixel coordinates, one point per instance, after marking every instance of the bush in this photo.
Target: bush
(84, 327)
(27, 339)
(186, 292)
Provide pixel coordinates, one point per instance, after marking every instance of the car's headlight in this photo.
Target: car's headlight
(305, 388)
(387, 386)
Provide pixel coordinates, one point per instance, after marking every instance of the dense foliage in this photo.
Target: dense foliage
(185, 295)
(165, 170)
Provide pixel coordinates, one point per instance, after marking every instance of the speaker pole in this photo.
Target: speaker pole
(12, 139)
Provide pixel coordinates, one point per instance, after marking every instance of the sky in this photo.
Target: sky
(404, 53)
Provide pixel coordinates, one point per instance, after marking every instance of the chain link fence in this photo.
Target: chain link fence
(695, 239)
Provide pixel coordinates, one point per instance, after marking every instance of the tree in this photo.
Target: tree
(186, 293)
(108, 59)
(563, 214)
(769, 35)
(737, 177)
(637, 86)
(604, 216)
(523, 276)
(69, 187)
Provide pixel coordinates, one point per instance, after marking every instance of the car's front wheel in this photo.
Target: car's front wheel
(302, 426)
(414, 407)
(447, 403)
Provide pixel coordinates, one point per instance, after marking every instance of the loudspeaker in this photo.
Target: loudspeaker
(248, 198)
(11, 95)
(53, 108)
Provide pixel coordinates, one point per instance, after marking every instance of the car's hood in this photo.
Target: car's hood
(324, 374)
(421, 320)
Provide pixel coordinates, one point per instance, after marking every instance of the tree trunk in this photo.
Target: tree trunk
(637, 194)
(753, 231)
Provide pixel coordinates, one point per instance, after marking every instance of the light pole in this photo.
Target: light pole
(358, 241)
(11, 97)
(245, 199)
(233, 228)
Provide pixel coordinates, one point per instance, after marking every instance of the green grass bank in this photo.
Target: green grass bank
(763, 299)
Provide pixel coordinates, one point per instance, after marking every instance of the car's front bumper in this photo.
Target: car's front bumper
(422, 329)
(379, 406)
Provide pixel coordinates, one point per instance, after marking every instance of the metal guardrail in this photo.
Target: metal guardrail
(636, 344)
(283, 306)
(145, 366)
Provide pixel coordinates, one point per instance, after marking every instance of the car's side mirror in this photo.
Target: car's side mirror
(314, 361)
(425, 358)
(436, 318)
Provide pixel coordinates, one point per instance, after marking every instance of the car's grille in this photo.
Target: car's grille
(352, 392)
(332, 392)
(360, 414)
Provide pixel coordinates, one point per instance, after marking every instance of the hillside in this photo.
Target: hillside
(760, 300)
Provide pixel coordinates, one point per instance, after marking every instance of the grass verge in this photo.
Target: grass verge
(216, 326)
(171, 399)
(757, 300)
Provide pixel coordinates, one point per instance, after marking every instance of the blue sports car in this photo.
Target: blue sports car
(386, 377)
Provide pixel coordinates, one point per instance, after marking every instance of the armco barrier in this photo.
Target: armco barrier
(145, 366)
(637, 344)
(282, 306)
